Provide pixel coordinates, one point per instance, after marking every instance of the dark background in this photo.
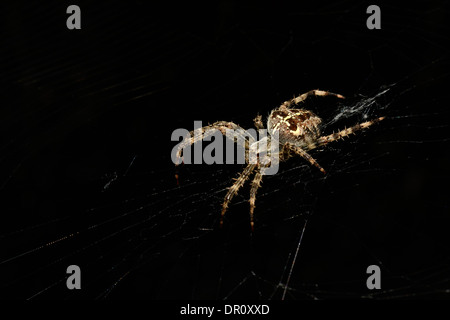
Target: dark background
(86, 176)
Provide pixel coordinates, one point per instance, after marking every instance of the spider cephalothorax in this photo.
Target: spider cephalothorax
(298, 127)
(297, 131)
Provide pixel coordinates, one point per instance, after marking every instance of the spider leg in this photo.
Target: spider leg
(285, 152)
(344, 133)
(256, 183)
(233, 190)
(303, 97)
(206, 131)
(306, 156)
(258, 122)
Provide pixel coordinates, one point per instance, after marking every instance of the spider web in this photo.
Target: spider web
(87, 177)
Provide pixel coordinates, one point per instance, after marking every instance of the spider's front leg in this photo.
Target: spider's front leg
(346, 132)
(258, 122)
(303, 97)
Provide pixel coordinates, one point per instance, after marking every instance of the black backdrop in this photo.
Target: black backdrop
(86, 176)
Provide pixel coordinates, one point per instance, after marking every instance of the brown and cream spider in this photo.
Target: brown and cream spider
(298, 132)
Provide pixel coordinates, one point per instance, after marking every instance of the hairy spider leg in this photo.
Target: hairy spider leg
(258, 122)
(344, 133)
(303, 97)
(256, 183)
(306, 156)
(206, 132)
(233, 190)
(330, 138)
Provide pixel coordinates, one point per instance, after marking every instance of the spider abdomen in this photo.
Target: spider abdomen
(298, 127)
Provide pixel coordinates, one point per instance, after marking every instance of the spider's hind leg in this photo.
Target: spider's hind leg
(207, 131)
(306, 156)
(233, 190)
(256, 183)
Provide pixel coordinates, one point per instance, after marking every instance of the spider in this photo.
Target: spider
(298, 132)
